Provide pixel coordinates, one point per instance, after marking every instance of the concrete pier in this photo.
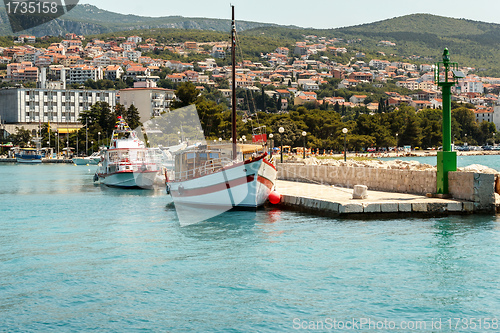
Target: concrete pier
(337, 201)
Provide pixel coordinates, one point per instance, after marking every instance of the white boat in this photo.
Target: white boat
(93, 159)
(29, 155)
(205, 177)
(127, 163)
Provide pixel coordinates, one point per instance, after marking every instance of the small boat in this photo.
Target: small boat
(93, 159)
(127, 163)
(29, 155)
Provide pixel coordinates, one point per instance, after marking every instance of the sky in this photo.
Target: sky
(322, 14)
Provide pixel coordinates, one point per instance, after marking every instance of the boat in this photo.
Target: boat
(222, 176)
(127, 163)
(208, 176)
(29, 155)
(93, 159)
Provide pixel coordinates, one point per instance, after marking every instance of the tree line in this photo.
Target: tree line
(399, 127)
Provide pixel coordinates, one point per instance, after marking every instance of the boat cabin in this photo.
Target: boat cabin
(202, 160)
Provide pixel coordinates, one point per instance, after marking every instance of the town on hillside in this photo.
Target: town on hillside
(57, 83)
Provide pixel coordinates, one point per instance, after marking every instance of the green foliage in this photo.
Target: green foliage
(21, 137)
(186, 94)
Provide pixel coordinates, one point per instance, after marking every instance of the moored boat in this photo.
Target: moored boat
(127, 163)
(93, 159)
(218, 177)
(206, 176)
(29, 155)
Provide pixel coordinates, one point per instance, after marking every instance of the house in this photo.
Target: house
(138, 70)
(218, 51)
(347, 83)
(419, 105)
(284, 104)
(134, 39)
(484, 114)
(361, 76)
(113, 72)
(283, 51)
(437, 103)
(190, 46)
(357, 99)
(283, 93)
(301, 100)
(26, 39)
(379, 64)
(132, 55)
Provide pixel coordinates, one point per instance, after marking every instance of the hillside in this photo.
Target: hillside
(419, 36)
(471, 43)
(86, 19)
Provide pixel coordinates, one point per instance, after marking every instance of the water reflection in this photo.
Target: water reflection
(456, 261)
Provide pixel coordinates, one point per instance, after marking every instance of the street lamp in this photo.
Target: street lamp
(397, 141)
(304, 136)
(220, 140)
(86, 137)
(465, 143)
(92, 145)
(281, 130)
(271, 135)
(57, 139)
(98, 138)
(345, 130)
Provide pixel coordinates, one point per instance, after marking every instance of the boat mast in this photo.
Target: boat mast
(233, 99)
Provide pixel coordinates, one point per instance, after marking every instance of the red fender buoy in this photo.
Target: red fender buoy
(274, 197)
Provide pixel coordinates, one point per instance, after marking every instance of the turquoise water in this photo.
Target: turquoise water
(492, 161)
(75, 256)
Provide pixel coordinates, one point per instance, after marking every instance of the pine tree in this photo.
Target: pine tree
(133, 117)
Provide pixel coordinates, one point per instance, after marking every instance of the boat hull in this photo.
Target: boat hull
(84, 161)
(29, 160)
(243, 185)
(128, 179)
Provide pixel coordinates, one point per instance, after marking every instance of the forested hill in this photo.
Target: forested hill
(86, 19)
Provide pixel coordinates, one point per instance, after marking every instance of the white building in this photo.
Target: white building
(26, 105)
(471, 85)
(134, 39)
(150, 102)
(132, 55)
(82, 73)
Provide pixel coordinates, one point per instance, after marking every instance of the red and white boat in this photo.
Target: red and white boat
(127, 163)
(206, 177)
(221, 177)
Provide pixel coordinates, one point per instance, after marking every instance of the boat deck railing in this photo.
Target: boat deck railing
(209, 167)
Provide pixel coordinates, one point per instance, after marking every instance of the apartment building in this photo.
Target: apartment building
(26, 105)
(82, 73)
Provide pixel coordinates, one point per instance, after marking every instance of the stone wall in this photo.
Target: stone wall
(471, 186)
(476, 187)
(390, 180)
